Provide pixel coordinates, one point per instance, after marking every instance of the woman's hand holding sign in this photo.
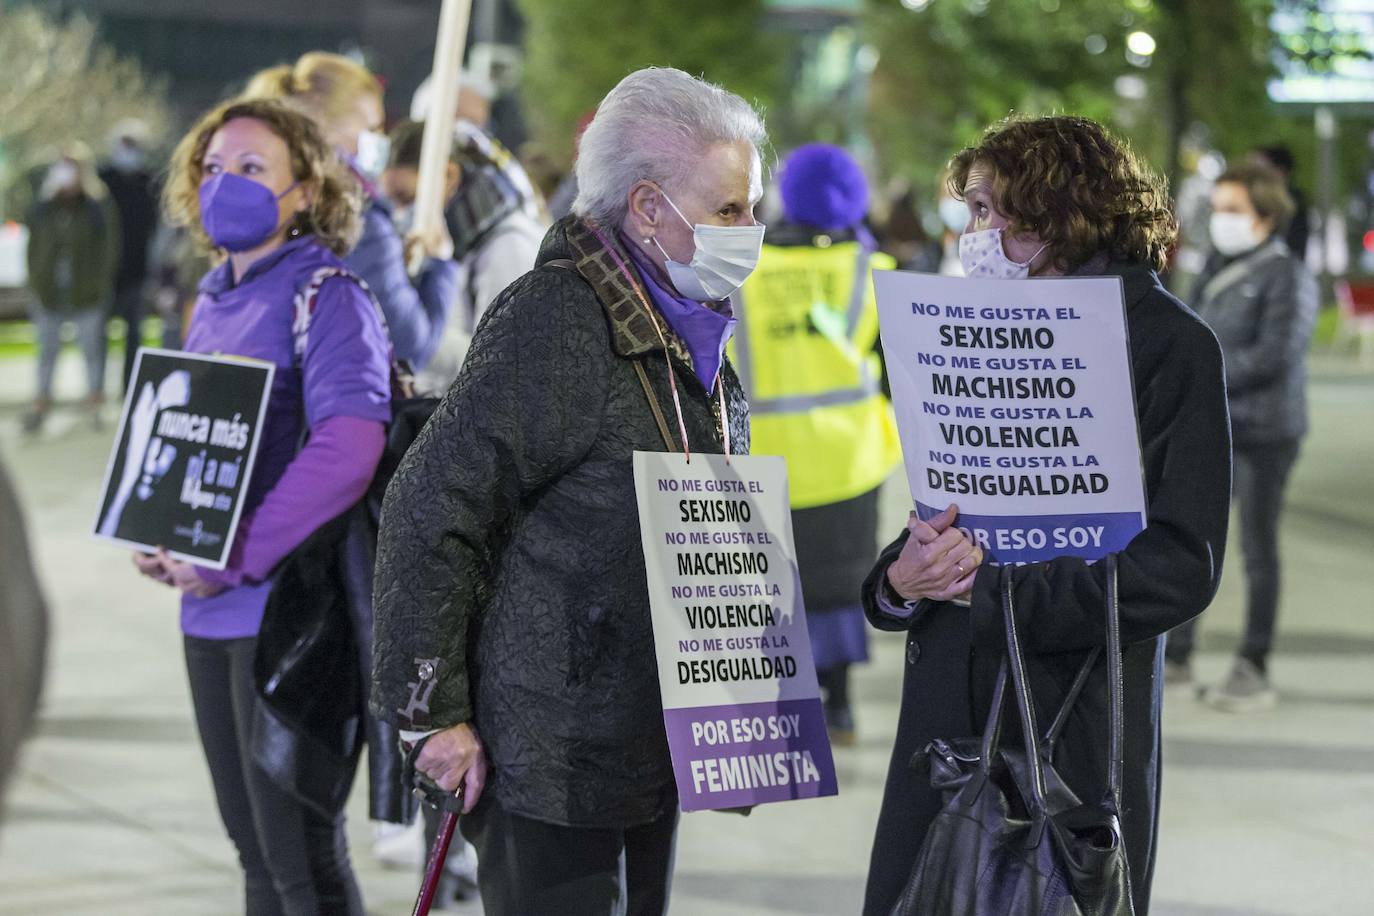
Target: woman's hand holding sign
(151, 566)
(938, 561)
(176, 573)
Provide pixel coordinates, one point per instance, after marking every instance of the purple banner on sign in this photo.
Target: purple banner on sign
(1036, 538)
(735, 756)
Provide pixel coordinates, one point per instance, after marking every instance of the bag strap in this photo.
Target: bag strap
(305, 302)
(402, 377)
(1025, 705)
(1013, 668)
(1070, 700)
(659, 419)
(1116, 685)
(1238, 270)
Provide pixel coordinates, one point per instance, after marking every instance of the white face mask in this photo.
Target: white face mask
(954, 214)
(725, 256)
(62, 176)
(373, 149)
(982, 255)
(1233, 233)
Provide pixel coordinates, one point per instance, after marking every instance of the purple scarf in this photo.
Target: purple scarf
(704, 330)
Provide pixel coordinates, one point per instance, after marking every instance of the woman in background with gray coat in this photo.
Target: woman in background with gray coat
(1261, 301)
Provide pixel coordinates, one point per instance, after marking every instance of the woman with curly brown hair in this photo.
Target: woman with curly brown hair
(255, 181)
(1049, 197)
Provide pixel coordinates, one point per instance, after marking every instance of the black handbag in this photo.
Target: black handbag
(314, 646)
(1012, 838)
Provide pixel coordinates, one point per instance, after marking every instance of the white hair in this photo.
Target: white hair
(656, 125)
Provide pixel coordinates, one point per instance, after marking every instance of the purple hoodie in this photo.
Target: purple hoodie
(340, 392)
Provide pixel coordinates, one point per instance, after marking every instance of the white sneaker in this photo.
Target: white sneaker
(1246, 689)
(462, 860)
(399, 846)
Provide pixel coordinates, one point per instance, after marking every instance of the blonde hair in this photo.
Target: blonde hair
(323, 85)
(333, 216)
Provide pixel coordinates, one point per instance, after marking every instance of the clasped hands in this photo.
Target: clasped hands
(938, 561)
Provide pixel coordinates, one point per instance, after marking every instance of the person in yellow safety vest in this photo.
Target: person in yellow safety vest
(807, 350)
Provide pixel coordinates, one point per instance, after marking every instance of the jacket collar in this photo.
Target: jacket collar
(624, 301)
(1138, 280)
(221, 279)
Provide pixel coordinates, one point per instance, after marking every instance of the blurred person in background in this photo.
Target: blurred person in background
(133, 189)
(23, 633)
(473, 128)
(255, 180)
(1261, 301)
(74, 245)
(805, 352)
(953, 214)
(175, 265)
(1052, 197)
(495, 238)
(562, 198)
(1280, 158)
(345, 100)
(482, 103)
(904, 236)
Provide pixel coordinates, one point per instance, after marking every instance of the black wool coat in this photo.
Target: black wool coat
(510, 587)
(1168, 574)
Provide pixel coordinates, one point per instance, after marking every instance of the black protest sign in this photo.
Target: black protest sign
(181, 463)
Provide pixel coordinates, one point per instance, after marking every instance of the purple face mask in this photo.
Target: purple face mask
(238, 213)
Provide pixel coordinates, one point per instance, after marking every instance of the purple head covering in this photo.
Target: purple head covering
(823, 187)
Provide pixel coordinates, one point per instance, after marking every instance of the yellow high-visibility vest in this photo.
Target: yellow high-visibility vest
(803, 347)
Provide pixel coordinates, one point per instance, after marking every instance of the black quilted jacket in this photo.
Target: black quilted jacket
(510, 585)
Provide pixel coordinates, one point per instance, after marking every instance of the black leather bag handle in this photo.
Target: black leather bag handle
(1116, 684)
(1025, 705)
(1013, 669)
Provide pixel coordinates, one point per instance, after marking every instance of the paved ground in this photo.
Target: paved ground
(1265, 816)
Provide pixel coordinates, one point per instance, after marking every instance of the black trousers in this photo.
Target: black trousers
(129, 307)
(529, 868)
(294, 860)
(1261, 473)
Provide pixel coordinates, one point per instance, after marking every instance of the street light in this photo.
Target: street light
(1141, 44)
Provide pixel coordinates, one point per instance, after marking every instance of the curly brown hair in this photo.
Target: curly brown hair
(334, 214)
(1078, 188)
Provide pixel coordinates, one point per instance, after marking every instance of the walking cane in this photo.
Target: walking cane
(451, 805)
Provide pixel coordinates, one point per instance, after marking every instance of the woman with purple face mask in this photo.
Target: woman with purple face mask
(256, 182)
(1051, 197)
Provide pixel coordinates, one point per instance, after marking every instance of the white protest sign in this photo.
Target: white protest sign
(741, 704)
(1014, 400)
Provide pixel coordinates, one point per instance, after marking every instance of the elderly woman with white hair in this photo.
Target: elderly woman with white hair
(513, 635)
